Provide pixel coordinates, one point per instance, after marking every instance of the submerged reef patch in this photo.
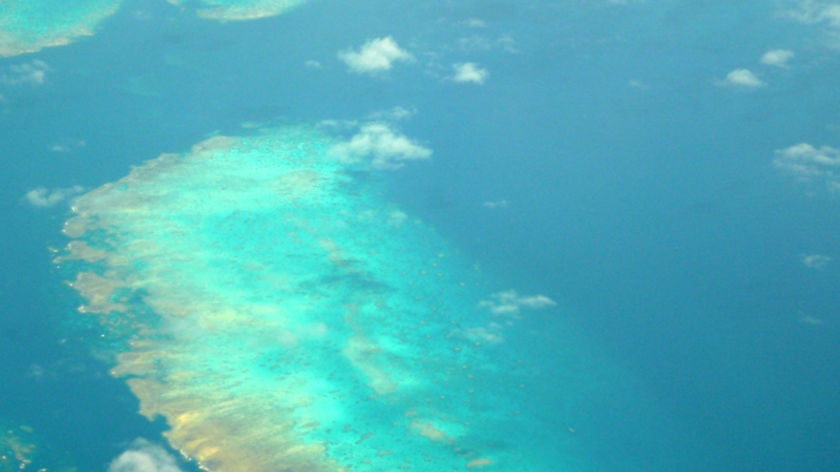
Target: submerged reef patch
(280, 314)
(30, 25)
(238, 10)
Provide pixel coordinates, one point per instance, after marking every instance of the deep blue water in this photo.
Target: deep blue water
(652, 215)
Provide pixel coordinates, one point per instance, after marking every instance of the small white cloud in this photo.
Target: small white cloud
(811, 165)
(496, 204)
(807, 319)
(815, 261)
(337, 124)
(312, 64)
(475, 23)
(490, 334)
(144, 456)
(44, 197)
(30, 73)
(505, 306)
(508, 44)
(469, 72)
(742, 78)
(397, 218)
(510, 303)
(384, 147)
(393, 114)
(777, 57)
(68, 146)
(375, 56)
(482, 42)
(818, 11)
(535, 301)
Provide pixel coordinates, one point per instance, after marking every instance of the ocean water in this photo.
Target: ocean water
(641, 199)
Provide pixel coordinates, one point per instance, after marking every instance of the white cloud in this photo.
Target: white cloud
(535, 301)
(68, 146)
(506, 307)
(821, 12)
(312, 64)
(397, 218)
(475, 23)
(479, 42)
(144, 456)
(469, 72)
(496, 204)
(30, 73)
(510, 303)
(742, 78)
(375, 56)
(818, 11)
(815, 261)
(807, 319)
(808, 164)
(490, 334)
(44, 197)
(393, 114)
(384, 147)
(777, 57)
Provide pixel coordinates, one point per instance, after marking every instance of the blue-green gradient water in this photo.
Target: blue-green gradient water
(613, 159)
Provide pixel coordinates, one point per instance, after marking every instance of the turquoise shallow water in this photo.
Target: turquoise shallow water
(29, 26)
(257, 288)
(607, 160)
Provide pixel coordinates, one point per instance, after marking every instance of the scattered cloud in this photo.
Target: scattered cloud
(490, 334)
(384, 147)
(482, 43)
(475, 23)
(312, 64)
(144, 456)
(393, 114)
(375, 56)
(397, 218)
(811, 165)
(29, 73)
(743, 78)
(337, 124)
(510, 303)
(818, 11)
(496, 204)
(505, 306)
(815, 261)
(43, 197)
(777, 57)
(68, 146)
(808, 319)
(469, 72)
(241, 11)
